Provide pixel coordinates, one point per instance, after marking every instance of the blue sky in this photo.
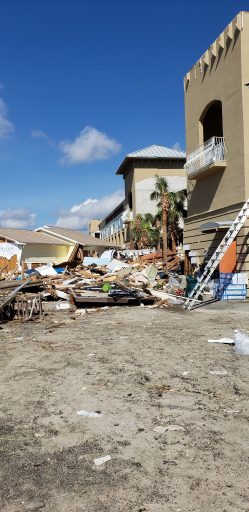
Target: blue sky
(81, 85)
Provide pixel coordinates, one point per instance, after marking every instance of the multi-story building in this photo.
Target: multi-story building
(139, 170)
(217, 135)
(93, 228)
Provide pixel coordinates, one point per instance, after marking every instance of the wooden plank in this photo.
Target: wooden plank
(109, 301)
(12, 295)
(14, 284)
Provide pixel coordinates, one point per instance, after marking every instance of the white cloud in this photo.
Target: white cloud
(39, 134)
(177, 146)
(79, 215)
(6, 127)
(88, 146)
(20, 218)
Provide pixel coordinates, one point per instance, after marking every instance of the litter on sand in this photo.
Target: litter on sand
(218, 372)
(101, 460)
(87, 414)
(241, 341)
(228, 341)
(159, 429)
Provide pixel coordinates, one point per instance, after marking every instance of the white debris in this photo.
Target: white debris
(175, 427)
(87, 414)
(228, 341)
(102, 460)
(241, 343)
(218, 372)
(159, 429)
(63, 305)
(46, 270)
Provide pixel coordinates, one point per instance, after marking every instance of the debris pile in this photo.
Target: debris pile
(127, 279)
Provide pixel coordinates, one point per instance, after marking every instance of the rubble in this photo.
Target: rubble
(129, 278)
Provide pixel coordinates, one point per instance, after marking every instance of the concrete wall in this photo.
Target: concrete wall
(220, 80)
(219, 196)
(144, 188)
(143, 183)
(245, 95)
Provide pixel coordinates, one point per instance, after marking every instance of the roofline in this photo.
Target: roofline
(85, 245)
(112, 212)
(12, 239)
(56, 234)
(216, 40)
(130, 158)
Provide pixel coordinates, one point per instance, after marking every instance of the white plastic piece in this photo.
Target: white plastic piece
(102, 460)
(87, 414)
(218, 372)
(241, 343)
(63, 305)
(227, 341)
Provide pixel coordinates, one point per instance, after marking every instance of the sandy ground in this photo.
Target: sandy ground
(140, 369)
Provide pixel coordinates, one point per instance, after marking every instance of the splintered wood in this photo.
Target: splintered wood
(173, 261)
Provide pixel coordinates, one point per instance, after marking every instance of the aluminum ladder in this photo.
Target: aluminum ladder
(218, 254)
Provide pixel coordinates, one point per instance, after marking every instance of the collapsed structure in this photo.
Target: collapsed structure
(48, 244)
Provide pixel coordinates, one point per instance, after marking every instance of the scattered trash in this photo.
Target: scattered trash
(87, 414)
(227, 341)
(102, 460)
(174, 427)
(218, 372)
(117, 278)
(241, 341)
(63, 305)
(159, 429)
(36, 504)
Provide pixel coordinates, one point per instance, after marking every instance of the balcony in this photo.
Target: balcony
(208, 158)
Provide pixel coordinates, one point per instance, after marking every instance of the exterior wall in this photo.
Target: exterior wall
(39, 253)
(221, 80)
(10, 254)
(113, 232)
(145, 184)
(140, 182)
(245, 95)
(130, 188)
(93, 227)
(220, 196)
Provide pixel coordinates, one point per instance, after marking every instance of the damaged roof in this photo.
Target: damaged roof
(72, 235)
(26, 236)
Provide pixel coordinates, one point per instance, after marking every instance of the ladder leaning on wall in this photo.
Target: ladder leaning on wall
(218, 254)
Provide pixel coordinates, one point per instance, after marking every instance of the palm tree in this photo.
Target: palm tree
(144, 231)
(171, 208)
(160, 194)
(176, 213)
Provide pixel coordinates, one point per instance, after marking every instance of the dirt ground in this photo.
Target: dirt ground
(140, 369)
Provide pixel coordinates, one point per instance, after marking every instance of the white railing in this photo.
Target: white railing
(212, 151)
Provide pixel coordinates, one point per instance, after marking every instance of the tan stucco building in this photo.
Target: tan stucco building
(139, 170)
(217, 143)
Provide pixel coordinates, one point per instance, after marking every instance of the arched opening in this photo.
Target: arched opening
(211, 120)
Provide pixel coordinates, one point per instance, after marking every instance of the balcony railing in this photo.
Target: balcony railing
(210, 155)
